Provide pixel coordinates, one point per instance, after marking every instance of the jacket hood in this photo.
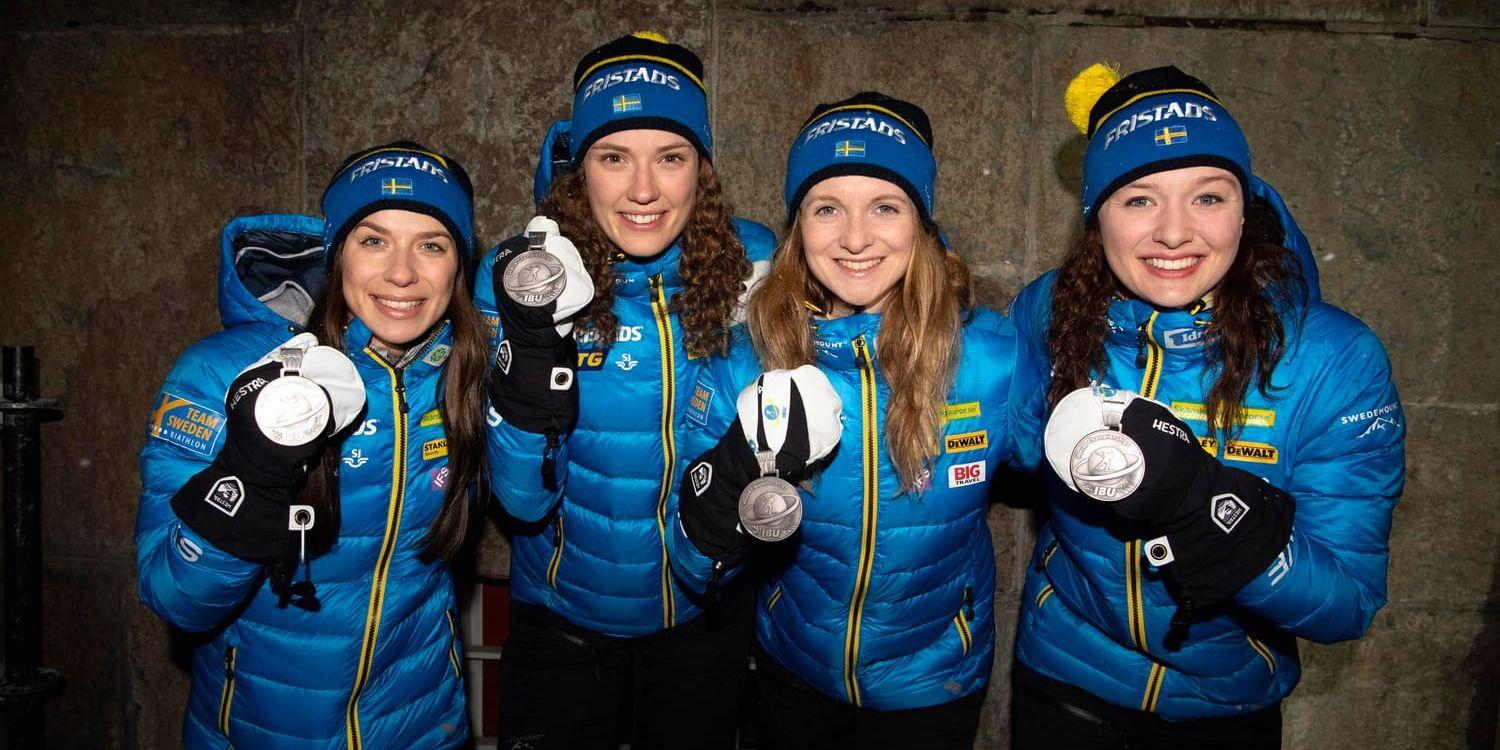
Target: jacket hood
(1295, 240)
(270, 269)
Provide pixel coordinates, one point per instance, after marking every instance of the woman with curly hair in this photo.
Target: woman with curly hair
(1226, 448)
(591, 391)
(875, 621)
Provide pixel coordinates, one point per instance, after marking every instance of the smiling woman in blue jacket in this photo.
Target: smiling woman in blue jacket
(311, 547)
(591, 394)
(1226, 448)
(875, 620)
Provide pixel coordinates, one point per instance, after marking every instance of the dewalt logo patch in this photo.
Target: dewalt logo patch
(966, 441)
(1260, 453)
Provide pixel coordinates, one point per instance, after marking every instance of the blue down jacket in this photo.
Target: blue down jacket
(595, 550)
(1332, 433)
(379, 664)
(886, 597)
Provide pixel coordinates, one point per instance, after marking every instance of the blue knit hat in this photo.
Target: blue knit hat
(868, 134)
(639, 82)
(1151, 121)
(402, 175)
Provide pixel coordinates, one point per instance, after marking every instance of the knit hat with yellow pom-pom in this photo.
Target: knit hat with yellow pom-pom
(1151, 121)
(640, 81)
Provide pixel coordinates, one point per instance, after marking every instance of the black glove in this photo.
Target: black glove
(242, 502)
(532, 383)
(1220, 526)
(709, 496)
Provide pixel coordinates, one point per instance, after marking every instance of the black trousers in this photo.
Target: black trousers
(793, 715)
(1048, 714)
(565, 687)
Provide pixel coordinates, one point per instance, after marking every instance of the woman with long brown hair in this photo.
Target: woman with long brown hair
(301, 497)
(876, 617)
(1198, 399)
(602, 335)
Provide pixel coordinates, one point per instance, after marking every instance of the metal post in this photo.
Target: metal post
(25, 685)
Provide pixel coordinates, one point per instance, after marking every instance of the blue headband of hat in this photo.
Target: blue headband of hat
(398, 178)
(861, 139)
(1158, 131)
(639, 92)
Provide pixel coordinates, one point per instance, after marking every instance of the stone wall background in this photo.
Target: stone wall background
(131, 131)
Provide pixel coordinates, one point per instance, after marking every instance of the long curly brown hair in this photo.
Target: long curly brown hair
(1245, 338)
(713, 266)
(918, 344)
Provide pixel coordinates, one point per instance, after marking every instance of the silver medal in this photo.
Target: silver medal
(292, 410)
(534, 277)
(770, 509)
(1107, 465)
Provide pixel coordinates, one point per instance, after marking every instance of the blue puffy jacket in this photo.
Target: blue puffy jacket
(887, 598)
(1095, 614)
(595, 551)
(379, 665)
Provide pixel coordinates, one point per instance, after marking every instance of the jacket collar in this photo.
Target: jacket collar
(1179, 332)
(431, 353)
(834, 339)
(632, 275)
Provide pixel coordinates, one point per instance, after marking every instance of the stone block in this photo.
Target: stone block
(83, 636)
(93, 13)
(1476, 13)
(774, 69)
(1384, 11)
(1442, 525)
(1420, 678)
(1342, 125)
(479, 81)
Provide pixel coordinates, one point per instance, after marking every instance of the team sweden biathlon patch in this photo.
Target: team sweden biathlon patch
(181, 422)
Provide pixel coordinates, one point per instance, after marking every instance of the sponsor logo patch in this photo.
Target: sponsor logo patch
(849, 150)
(368, 427)
(431, 418)
(626, 362)
(590, 360)
(967, 410)
(226, 495)
(492, 418)
(355, 459)
(1183, 338)
(1188, 411)
(963, 475)
(1260, 453)
(434, 449)
(1209, 444)
(395, 186)
(702, 476)
(1171, 135)
(1227, 511)
(438, 478)
(966, 441)
(702, 398)
(1379, 425)
(182, 422)
(438, 355)
(1368, 414)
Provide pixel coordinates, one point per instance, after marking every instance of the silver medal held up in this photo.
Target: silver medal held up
(770, 507)
(1086, 448)
(292, 410)
(535, 277)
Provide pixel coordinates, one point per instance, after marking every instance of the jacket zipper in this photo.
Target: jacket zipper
(387, 551)
(669, 448)
(1149, 357)
(453, 644)
(557, 545)
(963, 618)
(226, 697)
(871, 507)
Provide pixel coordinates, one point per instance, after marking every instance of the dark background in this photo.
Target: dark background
(130, 132)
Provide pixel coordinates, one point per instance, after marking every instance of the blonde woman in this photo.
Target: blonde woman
(875, 621)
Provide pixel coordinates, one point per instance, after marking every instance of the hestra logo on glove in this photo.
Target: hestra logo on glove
(226, 495)
(702, 476)
(1227, 510)
(1171, 429)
